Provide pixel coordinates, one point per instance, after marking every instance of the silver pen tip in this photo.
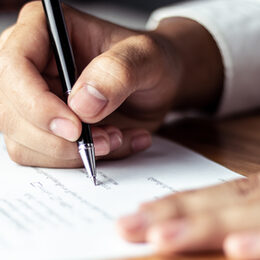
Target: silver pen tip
(95, 180)
(89, 163)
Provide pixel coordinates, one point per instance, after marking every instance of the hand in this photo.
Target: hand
(224, 216)
(128, 79)
(39, 128)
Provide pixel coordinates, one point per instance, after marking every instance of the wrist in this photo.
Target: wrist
(200, 67)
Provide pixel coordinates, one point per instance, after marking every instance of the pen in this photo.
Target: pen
(67, 71)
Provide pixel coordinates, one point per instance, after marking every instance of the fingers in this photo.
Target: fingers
(58, 148)
(33, 105)
(56, 152)
(185, 235)
(27, 135)
(5, 35)
(204, 231)
(25, 156)
(133, 141)
(243, 245)
(115, 138)
(129, 66)
(196, 201)
(29, 94)
(183, 204)
(108, 143)
(31, 22)
(21, 61)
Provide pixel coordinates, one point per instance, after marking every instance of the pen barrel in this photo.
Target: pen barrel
(86, 136)
(61, 45)
(64, 56)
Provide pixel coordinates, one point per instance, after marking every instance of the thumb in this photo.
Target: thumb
(130, 65)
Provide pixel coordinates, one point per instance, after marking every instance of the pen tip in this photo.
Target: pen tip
(95, 180)
(87, 156)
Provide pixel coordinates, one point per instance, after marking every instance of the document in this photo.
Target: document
(58, 214)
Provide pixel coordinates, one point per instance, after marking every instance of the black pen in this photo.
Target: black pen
(68, 75)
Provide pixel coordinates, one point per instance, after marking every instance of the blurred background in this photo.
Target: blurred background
(141, 4)
(130, 13)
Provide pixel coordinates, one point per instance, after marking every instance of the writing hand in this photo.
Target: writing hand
(39, 128)
(128, 81)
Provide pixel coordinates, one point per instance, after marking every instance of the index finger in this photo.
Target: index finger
(23, 58)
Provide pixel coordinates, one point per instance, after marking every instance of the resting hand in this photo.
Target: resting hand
(224, 216)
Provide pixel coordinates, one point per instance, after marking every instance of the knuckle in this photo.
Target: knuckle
(30, 7)
(121, 69)
(152, 50)
(143, 48)
(5, 35)
(147, 41)
(8, 61)
(247, 187)
(156, 46)
(125, 60)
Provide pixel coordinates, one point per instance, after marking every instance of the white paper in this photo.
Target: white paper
(55, 214)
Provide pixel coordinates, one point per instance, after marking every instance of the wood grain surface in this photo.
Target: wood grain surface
(233, 143)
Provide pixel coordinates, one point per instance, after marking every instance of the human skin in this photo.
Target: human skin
(128, 81)
(220, 217)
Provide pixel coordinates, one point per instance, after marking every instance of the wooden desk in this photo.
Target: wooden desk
(233, 143)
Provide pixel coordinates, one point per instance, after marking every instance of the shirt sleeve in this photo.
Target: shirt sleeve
(235, 26)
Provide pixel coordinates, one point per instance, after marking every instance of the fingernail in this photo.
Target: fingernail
(102, 147)
(141, 142)
(250, 243)
(132, 223)
(239, 245)
(88, 102)
(115, 141)
(172, 233)
(176, 231)
(64, 128)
